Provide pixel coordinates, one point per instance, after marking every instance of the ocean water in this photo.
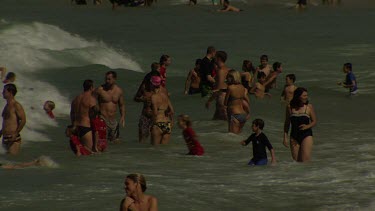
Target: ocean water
(54, 46)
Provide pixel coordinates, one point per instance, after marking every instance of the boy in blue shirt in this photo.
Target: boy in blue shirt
(260, 142)
(350, 80)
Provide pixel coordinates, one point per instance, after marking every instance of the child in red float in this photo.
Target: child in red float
(190, 137)
(75, 144)
(99, 129)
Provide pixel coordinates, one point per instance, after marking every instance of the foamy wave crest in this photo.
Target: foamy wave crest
(29, 48)
(37, 46)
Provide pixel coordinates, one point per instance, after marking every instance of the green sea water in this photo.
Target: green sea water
(54, 46)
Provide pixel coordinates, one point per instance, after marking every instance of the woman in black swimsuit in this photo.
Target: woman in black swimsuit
(301, 115)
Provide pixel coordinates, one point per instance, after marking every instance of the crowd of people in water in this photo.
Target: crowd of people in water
(94, 123)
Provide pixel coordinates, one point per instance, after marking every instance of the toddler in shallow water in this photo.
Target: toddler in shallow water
(190, 137)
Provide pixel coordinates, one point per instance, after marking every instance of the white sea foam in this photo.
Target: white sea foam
(32, 47)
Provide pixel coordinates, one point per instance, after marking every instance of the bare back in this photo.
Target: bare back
(220, 78)
(81, 105)
(234, 99)
(160, 106)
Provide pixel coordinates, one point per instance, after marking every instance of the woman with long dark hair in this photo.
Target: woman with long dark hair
(301, 115)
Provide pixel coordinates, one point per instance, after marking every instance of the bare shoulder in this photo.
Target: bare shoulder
(18, 106)
(153, 201)
(118, 89)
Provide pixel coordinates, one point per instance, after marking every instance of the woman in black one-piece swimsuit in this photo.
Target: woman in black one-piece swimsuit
(301, 115)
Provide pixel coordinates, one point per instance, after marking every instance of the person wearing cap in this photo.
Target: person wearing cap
(162, 113)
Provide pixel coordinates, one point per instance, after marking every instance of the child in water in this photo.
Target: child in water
(75, 144)
(99, 129)
(48, 107)
(228, 8)
(260, 142)
(190, 137)
(350, 80)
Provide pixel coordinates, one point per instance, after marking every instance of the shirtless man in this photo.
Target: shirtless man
(79, 113)
(14, 119)
(289, 88)
(221, 87)
(264, 66)
(110, 96)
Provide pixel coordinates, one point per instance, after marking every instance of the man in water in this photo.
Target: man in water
(110, 95)
(14, 119)
(207, 65)
(79, 113)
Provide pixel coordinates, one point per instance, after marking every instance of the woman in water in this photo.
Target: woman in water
(162, 114)
(301, 115)
(237, 102)
(136, 200)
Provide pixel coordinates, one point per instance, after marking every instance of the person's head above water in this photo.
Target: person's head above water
(49, 106)
(10, 77)
(300, 98)
(347, 67)
(10, 90)
(165, 60)
(233, 77)
(88, 85)
(134, 183)
(211, 51)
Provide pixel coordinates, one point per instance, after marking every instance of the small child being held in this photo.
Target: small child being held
(190, 137)
(99, 129)
(260, 142)
(350, 80)
(75, 144)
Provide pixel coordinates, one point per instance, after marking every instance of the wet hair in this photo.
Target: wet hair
(198, 61)
(276, 66)
(247, 66)
(348, 65)
(291, 77)
(113, 73)
(11, 88)
(155, 66)
(222, 56)
(87, 85)
(259, 123)
(264, 57)
(138, 178)
(210, 49)
(261, 75)
(235, 75)
(185, 118)
(10, 76)
(296, 101)
(50, 104)
(163, 59)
